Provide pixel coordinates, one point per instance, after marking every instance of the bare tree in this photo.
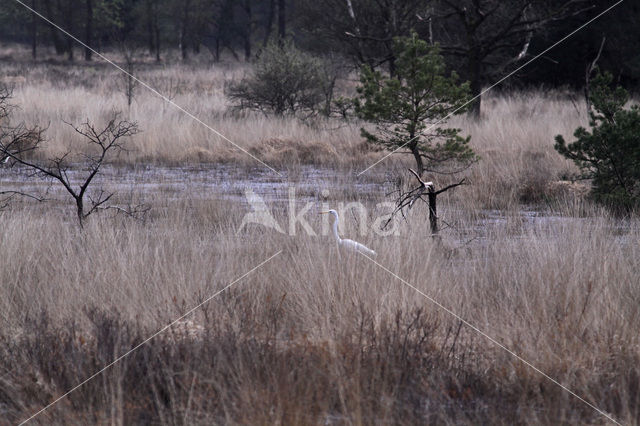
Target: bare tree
(129, 83)
(282, 20)
(55, 36)
(103, 142)
(68, 10)
(592, 67)
(34, 30)
(495, 34)
(269, 23)
(406, 200)
(14, 139)
(184, 28)
(364, 28)
(88, 30)
(247, 29)
(170, 88)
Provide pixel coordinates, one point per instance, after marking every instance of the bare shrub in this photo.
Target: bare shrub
(128, 80)
(21, 143)
(14, 139)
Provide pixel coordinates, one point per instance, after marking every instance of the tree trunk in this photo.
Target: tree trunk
(282, 30)
(156, 33)
(413, 146)
(183, 29)
(67, 10)
(70, 57)
(475, 77)
(269, 25)
(433, 211)
(88, 31)
(70, 50)
(57, 43)
(393, 30)
(80, 210)
(247, 31)
(150, 35)
(34, 30)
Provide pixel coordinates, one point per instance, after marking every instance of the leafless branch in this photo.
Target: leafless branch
(446, 188)
(136, 212)
(406, 200)
(9, 195)
(17, 142)
(368, 37)
(589, 71)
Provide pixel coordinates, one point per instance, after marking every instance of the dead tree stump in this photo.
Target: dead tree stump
(406, 200)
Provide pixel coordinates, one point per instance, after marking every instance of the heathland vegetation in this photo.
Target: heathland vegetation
(313, 337)
(527, 257)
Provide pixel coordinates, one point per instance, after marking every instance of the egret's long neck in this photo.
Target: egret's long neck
(335, 228)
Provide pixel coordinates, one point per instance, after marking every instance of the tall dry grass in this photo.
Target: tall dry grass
(51, 94)
(316, 336)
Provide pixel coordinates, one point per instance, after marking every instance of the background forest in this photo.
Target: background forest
(480, 39)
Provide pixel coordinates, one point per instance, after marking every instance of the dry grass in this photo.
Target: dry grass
(312, 336)
(515, 141)
(52, 93)
(315, 336)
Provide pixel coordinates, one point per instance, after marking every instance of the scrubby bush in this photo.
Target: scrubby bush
(610, 153)
(285, 80)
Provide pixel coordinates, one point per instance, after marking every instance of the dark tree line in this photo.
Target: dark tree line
(481, 39)
(189, 25)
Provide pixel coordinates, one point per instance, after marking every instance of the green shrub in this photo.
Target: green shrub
(610, 153)
(285, 80)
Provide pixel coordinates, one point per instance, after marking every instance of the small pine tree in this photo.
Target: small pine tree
(406, 105)
(610, 153)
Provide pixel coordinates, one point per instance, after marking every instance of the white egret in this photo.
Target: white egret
(346, 243)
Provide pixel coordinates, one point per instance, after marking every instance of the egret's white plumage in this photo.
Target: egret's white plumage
(346, 243)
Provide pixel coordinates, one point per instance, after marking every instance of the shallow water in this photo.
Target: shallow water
(306, 183)
(208, 181)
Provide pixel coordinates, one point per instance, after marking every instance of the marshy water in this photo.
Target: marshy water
(291, 190)
(209, 181)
